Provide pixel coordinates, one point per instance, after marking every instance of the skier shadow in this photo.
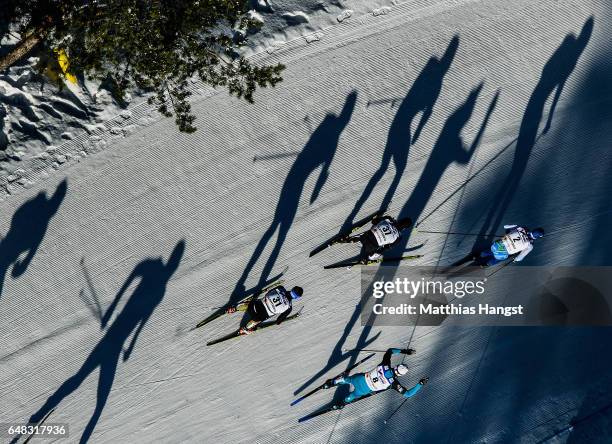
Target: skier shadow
(28, 228)
(421, 97)
(318, 152)
(555, 73)
(154, 276)
(449, 148)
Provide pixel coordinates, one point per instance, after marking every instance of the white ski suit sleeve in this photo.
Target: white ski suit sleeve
(509, 227)
(523, 253)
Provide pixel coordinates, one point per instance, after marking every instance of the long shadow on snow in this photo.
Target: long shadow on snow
(318, 152)
(554, 75)
(518, 388)
(517, 370)
(28, 228)
(448, 149)
(421, 97)
(154, 276)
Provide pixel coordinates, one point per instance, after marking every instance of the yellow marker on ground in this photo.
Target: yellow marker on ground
(64, 64)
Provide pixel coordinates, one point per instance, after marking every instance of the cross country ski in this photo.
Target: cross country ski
(325, 384)
(367, 262)
(238, 333)
(224, 310)
(340, 238)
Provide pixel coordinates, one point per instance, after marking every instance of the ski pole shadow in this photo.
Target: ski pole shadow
(91, 302)
(153, 275)
(421, 97)
(555, 73)
(28, 228)
(318, 152)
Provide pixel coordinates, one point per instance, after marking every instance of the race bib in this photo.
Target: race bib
(385, 232)
(376, 379)
(276, 302)
(516, 241)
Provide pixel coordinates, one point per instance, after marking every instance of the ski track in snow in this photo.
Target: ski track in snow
(218, 190)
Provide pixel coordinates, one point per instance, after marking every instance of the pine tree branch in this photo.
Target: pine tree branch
(21, 50)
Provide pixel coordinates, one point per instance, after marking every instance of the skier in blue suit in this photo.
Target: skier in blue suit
(382, 377)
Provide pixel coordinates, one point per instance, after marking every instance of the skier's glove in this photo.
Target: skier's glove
(408, 351)
(424, 380)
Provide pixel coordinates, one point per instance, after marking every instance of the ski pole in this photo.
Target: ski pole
(395, 411)
(363, 350)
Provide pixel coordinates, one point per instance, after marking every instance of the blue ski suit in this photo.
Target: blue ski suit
(380, 378)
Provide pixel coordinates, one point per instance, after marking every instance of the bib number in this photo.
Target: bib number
(276, 300)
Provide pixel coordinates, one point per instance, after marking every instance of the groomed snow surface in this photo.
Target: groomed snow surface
(178, 224)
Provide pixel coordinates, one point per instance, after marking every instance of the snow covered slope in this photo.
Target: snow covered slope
(44, 127)
(257, 187)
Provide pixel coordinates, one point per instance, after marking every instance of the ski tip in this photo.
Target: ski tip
(316, 251)
(294, 402)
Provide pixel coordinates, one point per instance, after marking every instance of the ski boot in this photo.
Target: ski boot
(245, 331)
(333, 382)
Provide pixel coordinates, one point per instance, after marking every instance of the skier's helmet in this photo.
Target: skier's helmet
(400, 370)
(296, 293)
(404, 223)
(537, 233)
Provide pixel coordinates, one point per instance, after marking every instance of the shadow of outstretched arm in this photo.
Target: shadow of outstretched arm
(553, 106)
(485, 122)
(424, 118)
(320, 182)
(128, 352)
(21, 266)
(113, 305)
